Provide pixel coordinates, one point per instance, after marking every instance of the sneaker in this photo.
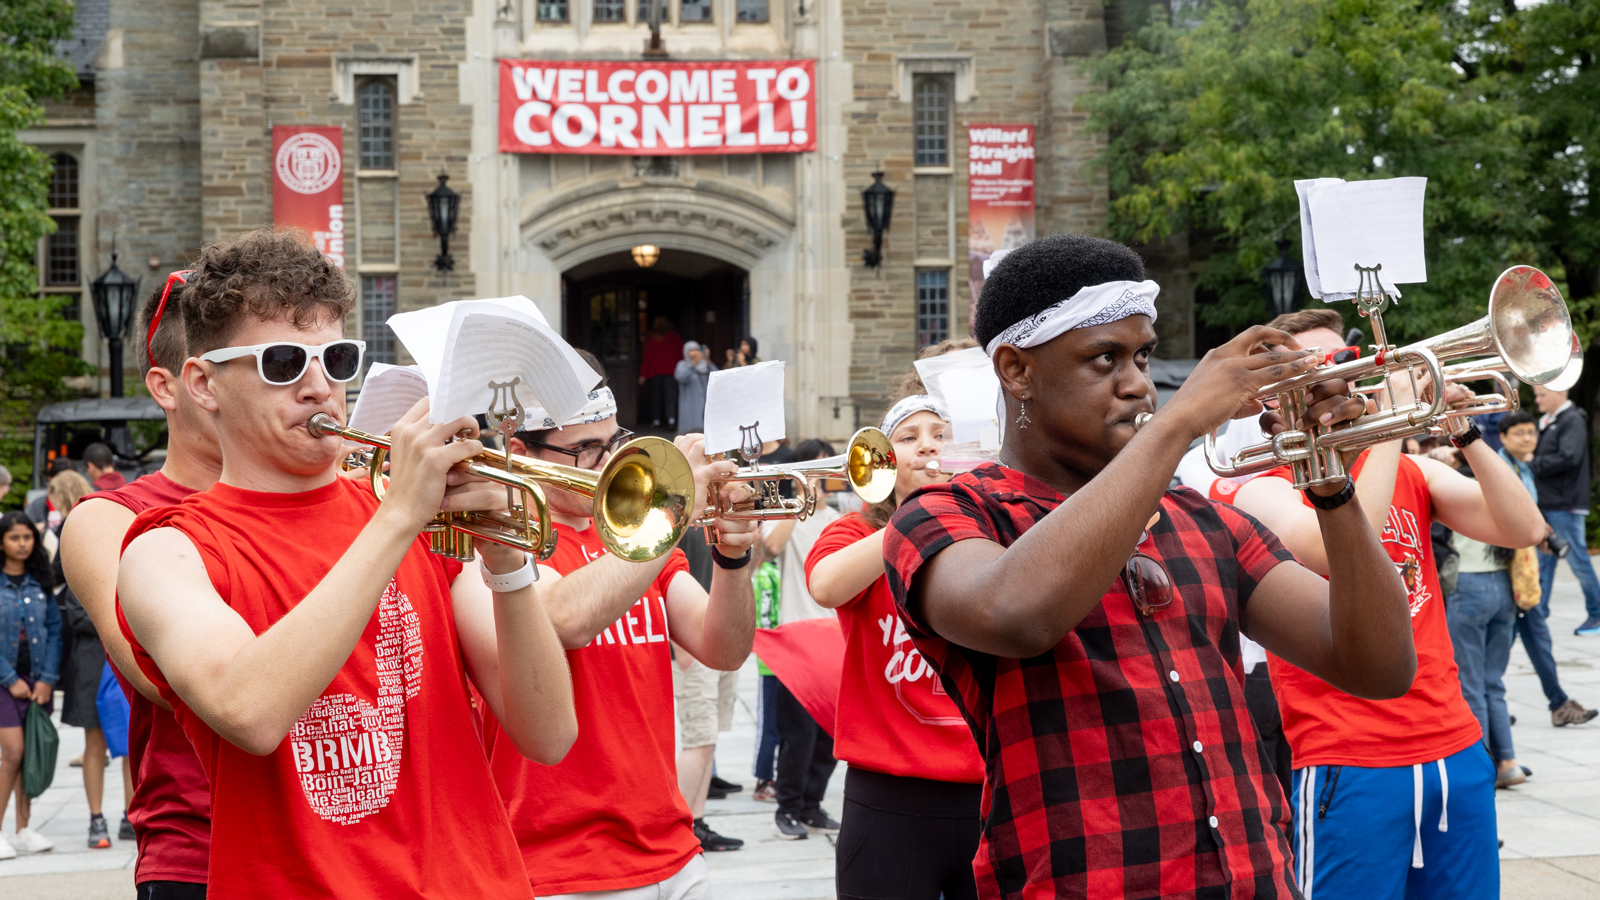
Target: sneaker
(29, 841)
(99, 834)
(766, 791)
(819, 820)
(711, 842)
(790, 828)
(1571, 713)
(125, 831)
(1506, 776)
(6, 850)
(713, 794)
(727, 787)
(1590, 626)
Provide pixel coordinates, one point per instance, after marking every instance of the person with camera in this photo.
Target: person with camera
(1519, 436)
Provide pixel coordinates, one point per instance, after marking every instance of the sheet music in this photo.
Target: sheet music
(743, 397)
(423, 331)
(1308, 251)
(964, 381)
(492, 341)
(1368, 223)
(388, 393)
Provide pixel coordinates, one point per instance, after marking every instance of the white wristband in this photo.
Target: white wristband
(511, 581)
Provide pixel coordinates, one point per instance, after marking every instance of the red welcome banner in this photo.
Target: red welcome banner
(307, 185)
(999, 195)
(658, 108)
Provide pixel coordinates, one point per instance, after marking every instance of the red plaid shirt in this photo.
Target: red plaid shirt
(1123, 763)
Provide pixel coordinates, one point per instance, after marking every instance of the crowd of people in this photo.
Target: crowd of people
(1060, 675)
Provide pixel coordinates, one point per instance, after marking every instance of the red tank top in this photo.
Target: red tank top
(171, 804)
(1326, 726)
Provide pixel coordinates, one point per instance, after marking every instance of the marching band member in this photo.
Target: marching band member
(1085, 620)
(611, 817)
(171, 803)
(1394, 798)
(912, 792)
(316, 654)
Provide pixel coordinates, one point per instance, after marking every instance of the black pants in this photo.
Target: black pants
(170, 890)
(805, 756)
(663, 394)
(907, 838)
(1263, 705)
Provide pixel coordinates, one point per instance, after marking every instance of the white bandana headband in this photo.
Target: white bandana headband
(910, 406)
(1097, 304)
(602, 405)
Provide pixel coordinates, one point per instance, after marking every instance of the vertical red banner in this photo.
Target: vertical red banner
(999, 194)
(307, 185)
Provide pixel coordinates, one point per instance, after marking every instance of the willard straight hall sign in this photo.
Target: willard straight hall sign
(658, 108)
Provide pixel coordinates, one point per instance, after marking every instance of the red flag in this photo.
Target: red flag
(808, 658)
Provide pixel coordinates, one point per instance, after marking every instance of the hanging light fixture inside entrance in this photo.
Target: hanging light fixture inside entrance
(646, 255)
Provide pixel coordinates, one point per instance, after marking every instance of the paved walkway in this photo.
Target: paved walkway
(1551, 824)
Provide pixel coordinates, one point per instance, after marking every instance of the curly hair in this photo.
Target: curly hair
(1042, 273)
(263, 274)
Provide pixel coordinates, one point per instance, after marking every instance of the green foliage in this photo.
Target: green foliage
(32, 331)
(1211, 124)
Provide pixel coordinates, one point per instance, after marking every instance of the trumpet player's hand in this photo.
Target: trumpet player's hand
(465, 491)
(1328, 404)
(736, 536)
(421, 458)
(705, 471)
(1225, 383)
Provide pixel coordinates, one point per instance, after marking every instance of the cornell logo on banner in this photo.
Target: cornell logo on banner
(308, 163)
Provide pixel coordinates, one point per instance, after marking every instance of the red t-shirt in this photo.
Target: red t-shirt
(1327, 727)
(609, 816)
(894, 715)
(386, 763)
(171, 804)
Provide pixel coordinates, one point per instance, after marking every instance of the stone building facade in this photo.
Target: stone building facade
(171, 136)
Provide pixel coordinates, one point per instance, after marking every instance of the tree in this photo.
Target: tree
(32, 331)
(1211, 124)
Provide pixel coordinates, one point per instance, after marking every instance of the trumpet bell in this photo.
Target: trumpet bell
(642, 499)
(870, 465)
(1530, 325)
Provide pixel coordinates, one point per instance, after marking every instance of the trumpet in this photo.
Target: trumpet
(1527, 333)
(868, 464)
(640, 499)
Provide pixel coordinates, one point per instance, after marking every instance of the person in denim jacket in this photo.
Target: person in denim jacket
(30, 660)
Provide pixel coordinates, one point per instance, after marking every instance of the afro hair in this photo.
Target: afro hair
(1042, 273)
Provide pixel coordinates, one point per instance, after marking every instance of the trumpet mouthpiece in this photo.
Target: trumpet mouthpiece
(932, 467)
(323, 425)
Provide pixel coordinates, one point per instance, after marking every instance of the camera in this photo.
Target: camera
(1556, 546)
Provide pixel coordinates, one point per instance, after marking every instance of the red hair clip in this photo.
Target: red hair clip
(181, 277)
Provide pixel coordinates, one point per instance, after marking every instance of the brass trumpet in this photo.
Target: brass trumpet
(1527, 333)
(641, 499)
(868, 464)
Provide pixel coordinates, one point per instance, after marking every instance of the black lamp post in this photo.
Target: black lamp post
(116, 295)
(878, 202)
(1283, 281)
(444, 207)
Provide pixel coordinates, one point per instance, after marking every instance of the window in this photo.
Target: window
(61, 253)
(610, 11)
(933, 307)
(931, 117)
(377, 305)
(375, 100)
(63, 192)
(644, 11)
(552, 10)
(751, 11)
(694, 10)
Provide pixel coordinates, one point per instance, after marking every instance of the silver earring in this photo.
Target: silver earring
(1022, 418)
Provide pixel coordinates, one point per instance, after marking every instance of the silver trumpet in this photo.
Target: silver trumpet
(1527, 334)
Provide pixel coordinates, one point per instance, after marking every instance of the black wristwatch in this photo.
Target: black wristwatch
(724, 562)
(1335, 501)
(1465, 438)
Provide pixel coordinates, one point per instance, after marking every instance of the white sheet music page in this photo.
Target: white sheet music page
(1308, 246)
(1368, 223)
(964, 381)
(388, 393)
(490, 341)
(744, 397)
(423, 331)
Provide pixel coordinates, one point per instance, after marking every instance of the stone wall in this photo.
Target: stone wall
(1008, 63)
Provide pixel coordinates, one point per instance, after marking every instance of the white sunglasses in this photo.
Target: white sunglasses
(284, 362)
